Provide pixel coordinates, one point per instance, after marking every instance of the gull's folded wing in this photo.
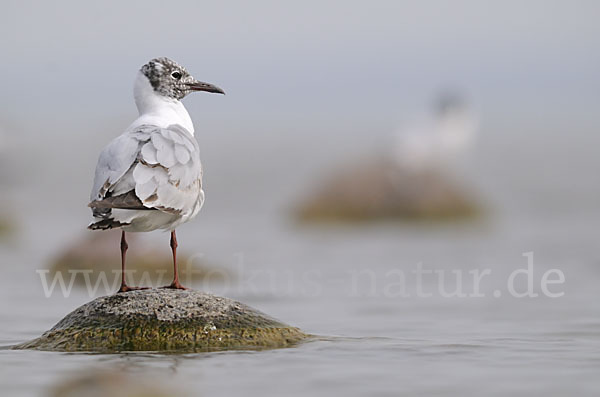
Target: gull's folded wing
(150, 168)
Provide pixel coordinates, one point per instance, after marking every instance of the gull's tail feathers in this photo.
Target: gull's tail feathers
(106, 217)
(106, 224)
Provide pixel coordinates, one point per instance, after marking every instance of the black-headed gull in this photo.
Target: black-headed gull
(437, 141)
(150, 177)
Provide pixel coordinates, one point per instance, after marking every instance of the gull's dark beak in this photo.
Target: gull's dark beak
(200, 86)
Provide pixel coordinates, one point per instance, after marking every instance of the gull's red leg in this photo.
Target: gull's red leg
(175, 284)
(124, 286)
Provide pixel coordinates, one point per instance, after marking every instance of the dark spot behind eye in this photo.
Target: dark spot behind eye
(176, 75)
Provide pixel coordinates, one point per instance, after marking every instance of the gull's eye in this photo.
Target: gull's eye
(176, 75)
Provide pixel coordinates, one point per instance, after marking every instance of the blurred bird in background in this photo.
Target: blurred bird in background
(411, 179)
(438, 141)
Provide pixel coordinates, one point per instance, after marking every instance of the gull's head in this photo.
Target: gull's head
(449, 103)
(171, 80)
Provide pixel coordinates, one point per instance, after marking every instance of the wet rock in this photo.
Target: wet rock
(97, 254)
(380, 190)
(165, 320)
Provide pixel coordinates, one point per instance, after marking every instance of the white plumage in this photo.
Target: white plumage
(436, 142)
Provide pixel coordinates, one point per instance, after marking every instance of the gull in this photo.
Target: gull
(439, 140)
(150, 177)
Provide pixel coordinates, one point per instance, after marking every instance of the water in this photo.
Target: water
(337, 283)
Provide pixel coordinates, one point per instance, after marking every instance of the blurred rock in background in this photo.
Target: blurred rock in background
(6, 227)
(97, 253)
(7, 223)
(414, 179)
(379, 190)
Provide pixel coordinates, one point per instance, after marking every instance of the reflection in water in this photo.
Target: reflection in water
(117, 383)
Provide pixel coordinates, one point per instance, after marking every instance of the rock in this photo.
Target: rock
(8, 223)
(6, 227)
(97, 254)
(380, 190)
(164, 320)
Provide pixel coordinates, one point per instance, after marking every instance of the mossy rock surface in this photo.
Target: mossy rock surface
(165, 320)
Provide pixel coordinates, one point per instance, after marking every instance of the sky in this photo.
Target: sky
(297, 58)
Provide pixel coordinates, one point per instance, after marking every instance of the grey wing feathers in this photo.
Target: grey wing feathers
(114, 161)
(150, 168)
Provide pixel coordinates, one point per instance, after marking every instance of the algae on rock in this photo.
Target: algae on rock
(165, 320)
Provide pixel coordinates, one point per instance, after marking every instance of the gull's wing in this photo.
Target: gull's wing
(150, 168)
(114, 161)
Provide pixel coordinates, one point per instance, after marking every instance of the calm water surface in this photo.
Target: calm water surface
(338, 283)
